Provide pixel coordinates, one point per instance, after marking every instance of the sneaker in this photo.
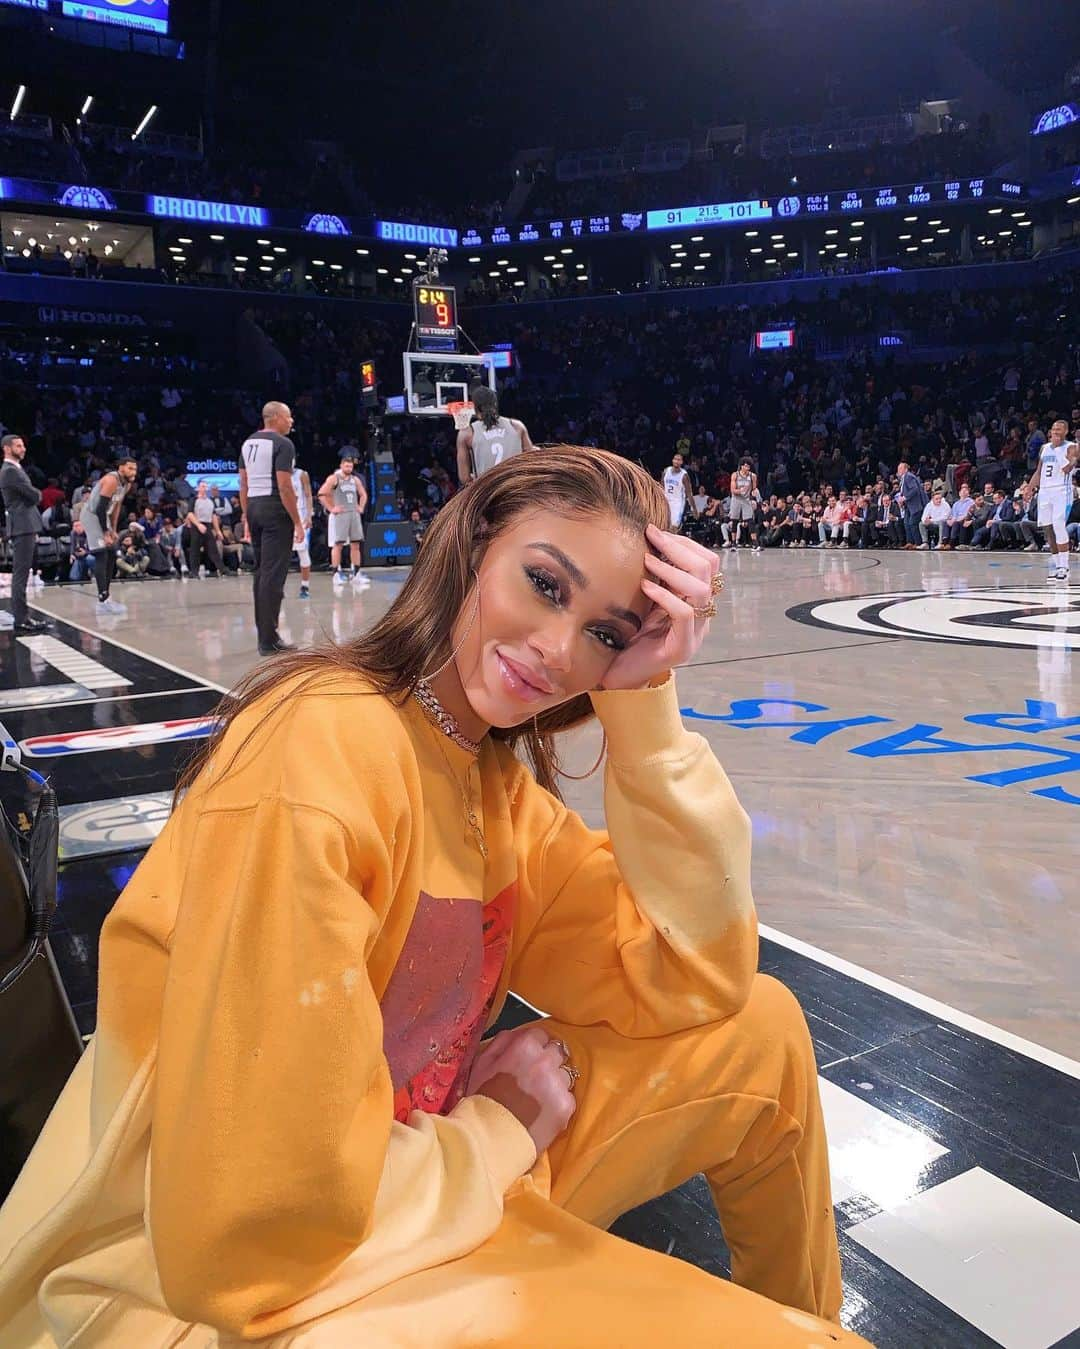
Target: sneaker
(360, 581)
(305, 593)
(111, 607)
(922, 547)
(1032, 548)
(1058, 576)
(757, 549)
(275, 648)
(31, 625)
(339, 577)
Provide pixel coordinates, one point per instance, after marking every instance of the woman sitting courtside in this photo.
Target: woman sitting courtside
(288, 1129)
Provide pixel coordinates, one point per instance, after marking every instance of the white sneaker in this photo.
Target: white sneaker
(1059, 576)
(360, 581)
(923, 547)
(110, 607)
(339, 577)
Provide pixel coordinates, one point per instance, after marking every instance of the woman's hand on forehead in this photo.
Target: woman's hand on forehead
(678, 580)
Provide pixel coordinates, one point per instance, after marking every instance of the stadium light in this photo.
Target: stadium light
(1072, 201)
(910, 219)
(86, 105)
(218, 238)
(856, 239)
(995, 210)
(148, 117)
(363, 252)
(755, 250)
(704, 255)
(20, 94)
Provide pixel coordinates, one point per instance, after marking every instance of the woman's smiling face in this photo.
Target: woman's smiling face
(560, 597)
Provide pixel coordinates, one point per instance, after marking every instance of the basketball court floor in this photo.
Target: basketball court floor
(904, 730)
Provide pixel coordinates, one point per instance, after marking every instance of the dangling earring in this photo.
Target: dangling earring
(580, 777)
(461, 642)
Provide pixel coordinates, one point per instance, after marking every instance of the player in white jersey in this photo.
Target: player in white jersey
(302, 487)
(677, 489)
(1053, 479)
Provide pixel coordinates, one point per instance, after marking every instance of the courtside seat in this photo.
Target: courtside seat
(39, 1041)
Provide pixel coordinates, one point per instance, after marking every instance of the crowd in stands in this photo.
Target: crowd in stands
(824, 434)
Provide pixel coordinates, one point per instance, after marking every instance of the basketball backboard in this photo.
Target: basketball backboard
(435, 379)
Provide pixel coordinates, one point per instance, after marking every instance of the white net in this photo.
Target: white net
(462, 414)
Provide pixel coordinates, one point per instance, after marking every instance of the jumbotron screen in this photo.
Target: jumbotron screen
(150, 15)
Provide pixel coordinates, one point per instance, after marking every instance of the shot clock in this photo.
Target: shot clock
(435, 313)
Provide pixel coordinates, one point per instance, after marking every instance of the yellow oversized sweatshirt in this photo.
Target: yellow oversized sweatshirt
(270, 1120)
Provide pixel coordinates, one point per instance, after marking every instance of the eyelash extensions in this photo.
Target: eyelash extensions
(547, 586)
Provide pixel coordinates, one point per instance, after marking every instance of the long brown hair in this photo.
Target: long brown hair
(413, 636)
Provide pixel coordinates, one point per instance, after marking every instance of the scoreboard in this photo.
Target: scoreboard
(435, 315)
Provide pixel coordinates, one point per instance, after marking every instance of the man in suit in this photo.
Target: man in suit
(21, 499)
(911, 498)
(888, 529)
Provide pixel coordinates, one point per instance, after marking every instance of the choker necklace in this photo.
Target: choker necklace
(441, 719)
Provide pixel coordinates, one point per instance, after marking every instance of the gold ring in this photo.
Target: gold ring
(571, 1072)
(562, 1047)
(706, 611)
(717, 583)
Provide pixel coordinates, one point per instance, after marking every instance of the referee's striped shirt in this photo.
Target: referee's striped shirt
(263, 456)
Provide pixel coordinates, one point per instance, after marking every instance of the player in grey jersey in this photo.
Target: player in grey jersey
(100, 516)
(490, 439)
(344, 497)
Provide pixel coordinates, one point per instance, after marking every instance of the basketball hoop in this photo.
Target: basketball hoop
(462, 414)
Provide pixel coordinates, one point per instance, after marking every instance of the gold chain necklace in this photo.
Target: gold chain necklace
(444, 723)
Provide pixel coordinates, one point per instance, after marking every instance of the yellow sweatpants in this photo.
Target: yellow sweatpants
(737, 1100)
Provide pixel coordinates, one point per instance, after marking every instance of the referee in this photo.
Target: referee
(271, 517)
(21, 500)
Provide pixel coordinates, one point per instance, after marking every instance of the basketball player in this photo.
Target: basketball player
(677, 489)
(345, 497)
(101, 517)
(744, 498)
(490, 438)
(1053, 479)
(302, 487)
